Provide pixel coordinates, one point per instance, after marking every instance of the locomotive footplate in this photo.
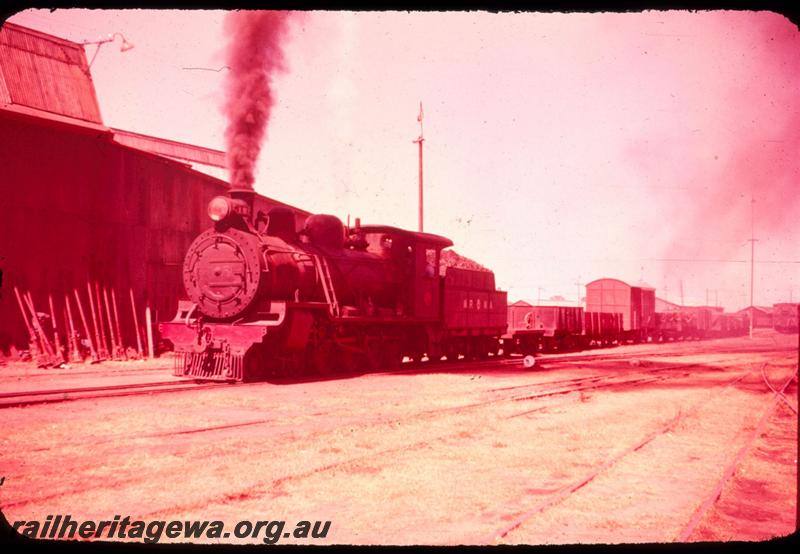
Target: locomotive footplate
(213, 350)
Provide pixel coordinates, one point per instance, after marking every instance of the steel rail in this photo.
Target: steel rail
(729, 472)
(567, 490)
(31, 398)
(261, 486)
(372, 422)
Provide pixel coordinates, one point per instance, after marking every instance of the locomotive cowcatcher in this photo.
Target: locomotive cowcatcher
(268, 300)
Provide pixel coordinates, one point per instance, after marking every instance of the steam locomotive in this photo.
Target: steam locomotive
(267, 300)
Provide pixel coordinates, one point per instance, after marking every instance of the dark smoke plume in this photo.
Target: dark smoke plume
(254, 55)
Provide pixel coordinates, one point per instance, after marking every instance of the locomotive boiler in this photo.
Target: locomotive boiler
(267, 300)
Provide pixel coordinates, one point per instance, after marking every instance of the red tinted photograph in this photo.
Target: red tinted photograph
(399, 278)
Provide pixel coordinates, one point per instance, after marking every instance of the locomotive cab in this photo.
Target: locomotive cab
(416, 259)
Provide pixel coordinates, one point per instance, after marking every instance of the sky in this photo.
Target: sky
(559, 148)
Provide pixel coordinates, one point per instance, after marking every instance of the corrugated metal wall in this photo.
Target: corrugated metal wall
(75, 206)
(47, 73)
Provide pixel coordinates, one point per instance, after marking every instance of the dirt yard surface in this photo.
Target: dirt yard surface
(641, 443)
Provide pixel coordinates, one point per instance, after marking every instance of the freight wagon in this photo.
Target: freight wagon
(635, 303)
(784, 317)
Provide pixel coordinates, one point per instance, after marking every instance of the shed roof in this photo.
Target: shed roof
(641, 284)
(171, 148)
(48, 73)
(763, 309)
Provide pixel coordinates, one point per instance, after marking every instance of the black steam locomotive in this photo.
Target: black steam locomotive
(267, 300)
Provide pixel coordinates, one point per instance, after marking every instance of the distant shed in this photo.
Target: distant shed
(761, 315)
(663, 306)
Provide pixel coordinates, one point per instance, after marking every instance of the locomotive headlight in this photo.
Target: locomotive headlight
(219, 208)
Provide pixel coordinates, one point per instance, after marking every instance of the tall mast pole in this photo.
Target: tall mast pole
(752, 261)
(419, 141)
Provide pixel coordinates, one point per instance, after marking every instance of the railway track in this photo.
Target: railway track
(49, 396)
(579, 384)
(274, 484)
(730, 471)
(516, 517)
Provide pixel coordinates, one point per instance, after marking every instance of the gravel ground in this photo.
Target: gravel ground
(428, 455)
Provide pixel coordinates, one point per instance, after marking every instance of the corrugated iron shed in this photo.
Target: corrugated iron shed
(47, 73)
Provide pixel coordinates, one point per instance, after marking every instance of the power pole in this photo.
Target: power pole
(578, 284)
(419, 141)
(752, 260)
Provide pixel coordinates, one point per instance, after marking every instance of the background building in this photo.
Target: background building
(82, 202)
(761, 315)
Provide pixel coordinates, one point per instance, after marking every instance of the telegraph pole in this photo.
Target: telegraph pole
(752, 261)
(578, 284)
(419, 141)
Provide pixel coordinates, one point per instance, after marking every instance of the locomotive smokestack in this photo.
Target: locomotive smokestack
(254, 54)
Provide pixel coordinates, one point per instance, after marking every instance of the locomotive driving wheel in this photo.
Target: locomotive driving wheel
(390, 353)
(253, 367)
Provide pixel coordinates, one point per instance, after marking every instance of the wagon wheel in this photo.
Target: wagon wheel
(390, 354)
(373, 358)
(349, 360)
(450, 351)
(321, 357)
(480, 348)
(435, 352)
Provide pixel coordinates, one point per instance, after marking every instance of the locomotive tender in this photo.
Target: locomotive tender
(267, 300)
